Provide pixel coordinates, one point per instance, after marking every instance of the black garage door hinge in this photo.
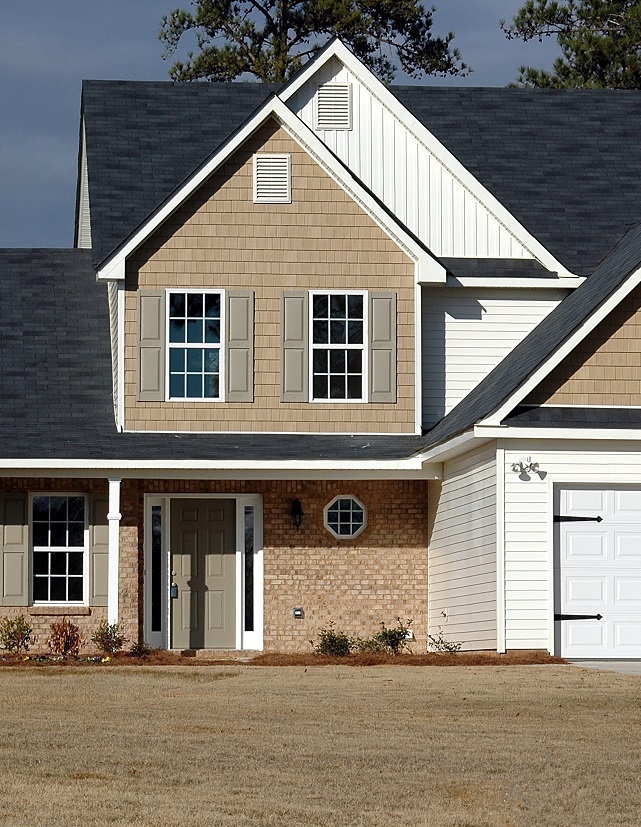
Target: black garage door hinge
(578, 617)
(565, 518)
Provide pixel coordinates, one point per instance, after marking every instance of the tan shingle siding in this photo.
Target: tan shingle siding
(604, 369)
(322, 240)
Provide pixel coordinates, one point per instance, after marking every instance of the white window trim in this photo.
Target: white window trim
(84, 549)
(331, 530)
(261, 199)
(222, 346)
(317, 125)
(364, 346)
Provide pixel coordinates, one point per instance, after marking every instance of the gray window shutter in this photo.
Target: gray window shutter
(240, 346)
(151, 346)
(382, 343)
(99, 552)
(294, 362)
(15, 550)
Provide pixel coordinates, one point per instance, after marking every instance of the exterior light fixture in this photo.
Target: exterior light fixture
(297, 514)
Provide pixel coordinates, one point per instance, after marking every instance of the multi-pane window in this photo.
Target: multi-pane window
(195, 323)
(59, 548)
(338, 346)
(345, 517)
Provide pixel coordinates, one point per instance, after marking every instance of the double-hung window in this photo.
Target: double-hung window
(59, 535)
(339, 346)
(195, 323)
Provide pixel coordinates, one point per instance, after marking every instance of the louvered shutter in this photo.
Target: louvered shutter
(99, 553)
(382, 343)
(294, 362)
(272, 178)
(240, 346)
(15, 550)
(151, 346)
(334, 106)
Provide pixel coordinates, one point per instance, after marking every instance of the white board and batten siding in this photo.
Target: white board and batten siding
(414, 184)
(530, 534)
(466, 332)
(462, 567)
(112, 293)
(83, 233)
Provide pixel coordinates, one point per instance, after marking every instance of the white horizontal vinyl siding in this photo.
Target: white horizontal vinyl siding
(467, 332)
(425, 195)
(462, 551)
(529, 529)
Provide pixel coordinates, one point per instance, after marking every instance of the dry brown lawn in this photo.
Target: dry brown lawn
(319, 745)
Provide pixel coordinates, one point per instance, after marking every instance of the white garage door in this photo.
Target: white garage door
(598, 571)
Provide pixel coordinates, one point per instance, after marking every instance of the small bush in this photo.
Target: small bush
(333, 643)
(396, 639)
(15, 634)
(439, 643)
(64, 639)
(140, 650)
(108, 638)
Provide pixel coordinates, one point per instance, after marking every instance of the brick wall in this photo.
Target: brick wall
(356, 584)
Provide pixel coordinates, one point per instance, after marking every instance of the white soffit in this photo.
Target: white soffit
(336, 49)
(427, 269)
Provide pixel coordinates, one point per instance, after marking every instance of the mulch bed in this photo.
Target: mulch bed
(160, 657)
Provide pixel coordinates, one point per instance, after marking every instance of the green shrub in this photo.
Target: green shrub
(439, 643)
(15, 634)
(333, 643)
(108, 638)
(64, 639)
(396, 639)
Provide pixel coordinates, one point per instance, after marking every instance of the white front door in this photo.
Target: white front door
(598, 572)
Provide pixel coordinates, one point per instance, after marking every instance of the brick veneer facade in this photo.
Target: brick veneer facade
(357, 584)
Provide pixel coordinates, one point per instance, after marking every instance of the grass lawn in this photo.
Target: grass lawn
(319, 745)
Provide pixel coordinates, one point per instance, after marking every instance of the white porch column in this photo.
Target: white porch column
(113, 517)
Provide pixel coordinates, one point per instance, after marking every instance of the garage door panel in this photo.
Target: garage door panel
(627, 504)
(627, 634)
(586, 636)
(627, 546)
(598, 571)
(627, 593)
(581, 590)
(585, 499)
(584, 546)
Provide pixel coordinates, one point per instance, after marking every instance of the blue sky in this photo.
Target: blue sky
(46, 49)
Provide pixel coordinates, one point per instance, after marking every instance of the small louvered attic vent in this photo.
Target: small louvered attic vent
(272, 178)
(334, 106)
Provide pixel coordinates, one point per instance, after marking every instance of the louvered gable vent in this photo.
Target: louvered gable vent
(272, 178)
(334, 106)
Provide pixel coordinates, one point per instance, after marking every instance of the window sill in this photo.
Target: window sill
(63, 611)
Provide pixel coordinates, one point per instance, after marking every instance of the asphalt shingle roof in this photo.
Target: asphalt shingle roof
(563, 162)
(144, 138)
(55, 385)
(542, 342)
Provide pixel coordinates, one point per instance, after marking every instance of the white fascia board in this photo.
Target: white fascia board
(409, 468)
(379, 90)
(427, 268)
(520, 283)
(558, 434)
(451, 448)
(566, 348)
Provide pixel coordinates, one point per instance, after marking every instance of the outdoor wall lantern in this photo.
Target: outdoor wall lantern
(524, 467)
(297, 514)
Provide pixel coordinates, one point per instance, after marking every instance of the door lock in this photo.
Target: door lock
(173, 592)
